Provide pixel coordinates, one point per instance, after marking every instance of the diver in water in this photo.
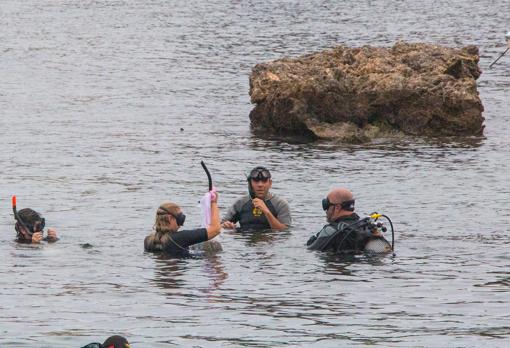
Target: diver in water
(260, 209)
(111, 342)
(166, 236)
(345, 231)
(30, 227)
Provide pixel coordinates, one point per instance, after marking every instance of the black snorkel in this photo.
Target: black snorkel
(19, 220)
(208, 175)
(207, 200)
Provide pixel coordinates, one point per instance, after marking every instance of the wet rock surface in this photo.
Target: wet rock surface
(357, 94)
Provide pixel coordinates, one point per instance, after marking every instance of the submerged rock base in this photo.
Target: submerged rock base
(354, 95)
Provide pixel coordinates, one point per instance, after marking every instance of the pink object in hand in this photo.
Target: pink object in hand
(213, 194)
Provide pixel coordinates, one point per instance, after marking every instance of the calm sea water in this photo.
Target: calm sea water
(107, 108)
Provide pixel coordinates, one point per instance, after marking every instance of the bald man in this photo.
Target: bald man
(344, 232)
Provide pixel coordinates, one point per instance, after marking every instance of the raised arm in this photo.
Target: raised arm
(214, 228)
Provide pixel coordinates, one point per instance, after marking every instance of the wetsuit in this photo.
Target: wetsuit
(346, 234)
(252, 218)
(176, 243)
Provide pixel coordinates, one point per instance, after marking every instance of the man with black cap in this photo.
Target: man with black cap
(259, 209)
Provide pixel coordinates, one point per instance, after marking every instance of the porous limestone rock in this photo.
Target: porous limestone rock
(356, 94)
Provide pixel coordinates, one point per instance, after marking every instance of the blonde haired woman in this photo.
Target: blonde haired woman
(166, 236)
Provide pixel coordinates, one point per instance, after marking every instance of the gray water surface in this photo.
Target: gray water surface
(93, 96)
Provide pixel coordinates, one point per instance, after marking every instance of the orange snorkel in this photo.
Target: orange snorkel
(19, 220)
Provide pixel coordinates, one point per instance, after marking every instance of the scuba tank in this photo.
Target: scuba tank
(379, 244)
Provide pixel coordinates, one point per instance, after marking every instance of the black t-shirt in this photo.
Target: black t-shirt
(178, 242)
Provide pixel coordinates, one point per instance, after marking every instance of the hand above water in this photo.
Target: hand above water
(259, 203)
(228, 224)
(52, 233)
(37, 237)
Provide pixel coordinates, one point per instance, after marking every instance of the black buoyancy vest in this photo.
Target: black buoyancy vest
(253, 218)
(341, 237)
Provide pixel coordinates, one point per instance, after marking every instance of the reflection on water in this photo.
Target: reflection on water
(107, 110)
(261, 237)
(168, 275)
(170, 272)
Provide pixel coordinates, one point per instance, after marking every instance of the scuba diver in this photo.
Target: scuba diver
(166, 236)
(111, 342)
(346, 232)
(30, 226)
(259, 209)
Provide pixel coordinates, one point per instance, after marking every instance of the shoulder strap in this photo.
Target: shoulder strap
(357, 226)
(338, 227)
(341, 226)
(177, 244)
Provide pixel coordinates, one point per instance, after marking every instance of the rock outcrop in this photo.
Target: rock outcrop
(357, 94)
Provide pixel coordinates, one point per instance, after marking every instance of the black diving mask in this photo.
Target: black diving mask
(259, 174)
(38, 226)
(179, 218)
(347, 205)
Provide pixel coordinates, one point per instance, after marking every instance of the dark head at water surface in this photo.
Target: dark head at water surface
(115, 341)
(30, 225)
